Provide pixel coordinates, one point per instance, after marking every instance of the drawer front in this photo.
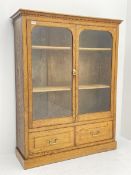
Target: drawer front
(93, 132)
(51, 140)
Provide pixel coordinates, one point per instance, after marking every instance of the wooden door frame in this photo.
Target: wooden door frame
(31, 23)
(106, 114)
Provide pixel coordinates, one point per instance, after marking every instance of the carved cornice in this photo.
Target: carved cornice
(24, 12)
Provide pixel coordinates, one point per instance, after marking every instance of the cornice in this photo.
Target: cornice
(24, 12)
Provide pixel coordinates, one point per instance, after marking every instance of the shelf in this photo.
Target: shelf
(67, 88)
(69, 48)
(94, 86)
(51, 89)
(94, 49)
(51, 47)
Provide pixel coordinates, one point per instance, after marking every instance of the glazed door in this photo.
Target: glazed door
(50, 67)
(95, 73)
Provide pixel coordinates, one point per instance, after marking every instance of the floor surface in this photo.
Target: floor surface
(116, 162)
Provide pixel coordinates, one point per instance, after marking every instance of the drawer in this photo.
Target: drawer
(93, 132)
(51, 140)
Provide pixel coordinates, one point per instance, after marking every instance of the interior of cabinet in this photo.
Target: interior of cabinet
(51, 72)
(51, 104)
(95, 60)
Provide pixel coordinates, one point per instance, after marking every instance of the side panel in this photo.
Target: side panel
(19, 75)
(21, 85)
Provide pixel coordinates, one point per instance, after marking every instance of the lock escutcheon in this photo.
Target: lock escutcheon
(74, 72)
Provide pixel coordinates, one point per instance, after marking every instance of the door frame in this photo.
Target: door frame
(106, 114)
(55, 121)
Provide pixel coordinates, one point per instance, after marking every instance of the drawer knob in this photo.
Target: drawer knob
(95, 133)
(52, 141)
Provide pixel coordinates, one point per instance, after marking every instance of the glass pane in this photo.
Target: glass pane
(95, 60)
(51, 104)
(51, 72)
(95, 39)
(94, 100)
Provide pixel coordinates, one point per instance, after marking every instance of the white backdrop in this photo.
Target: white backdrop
(126, 102)
(94, 8)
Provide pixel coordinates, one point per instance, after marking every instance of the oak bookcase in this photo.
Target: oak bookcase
(66, 70)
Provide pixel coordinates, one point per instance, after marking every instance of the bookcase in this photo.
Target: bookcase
(66, 71)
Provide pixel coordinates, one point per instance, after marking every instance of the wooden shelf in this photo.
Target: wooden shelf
(94, 86)
(67, 88)
(69, 48)
(51, 89)
(51, 47)
(94, 49)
